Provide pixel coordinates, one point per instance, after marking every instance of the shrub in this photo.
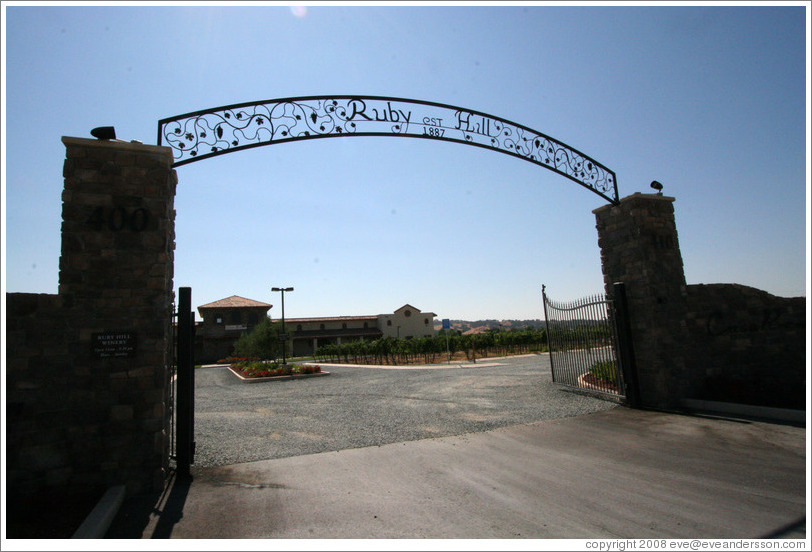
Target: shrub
(262, 341)
(305, 369)
(605, 370)
(234, 360)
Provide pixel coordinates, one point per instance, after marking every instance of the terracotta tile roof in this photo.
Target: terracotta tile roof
(235, 301)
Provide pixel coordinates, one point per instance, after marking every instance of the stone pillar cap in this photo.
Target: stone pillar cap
(636, 196)
(133, 145)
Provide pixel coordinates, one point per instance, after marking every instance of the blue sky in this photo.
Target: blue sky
(709, 100)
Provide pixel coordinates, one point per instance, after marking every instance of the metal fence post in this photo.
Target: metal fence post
(185, 384)
(547, 324)
(628, 365)
(192, 442)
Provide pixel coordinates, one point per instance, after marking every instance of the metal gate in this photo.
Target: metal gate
(182, 386)
(589, 345)
(172, 381)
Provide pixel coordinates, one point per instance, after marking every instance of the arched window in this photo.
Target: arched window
(252, 318)
(298, 327)
(388, 322)
(407, 313)
(218, 318)
(235, 317)
(366, 325)
(344, 326)
(426, 321)
(321, 326)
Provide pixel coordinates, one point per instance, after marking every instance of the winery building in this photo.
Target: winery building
(224, 321)
(407, 322)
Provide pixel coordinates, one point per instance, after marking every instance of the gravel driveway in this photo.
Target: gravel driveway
(355, 407)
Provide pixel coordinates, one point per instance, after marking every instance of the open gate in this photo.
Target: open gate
(172, 379)
(590, 346)
(182, 386)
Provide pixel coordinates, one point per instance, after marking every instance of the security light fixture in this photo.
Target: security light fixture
(657, 186)
(104, 133)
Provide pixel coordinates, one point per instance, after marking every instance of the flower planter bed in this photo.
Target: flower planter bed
(590, 381)
(254, 371)
(275, 378)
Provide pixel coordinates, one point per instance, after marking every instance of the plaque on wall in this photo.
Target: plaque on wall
(114, 344)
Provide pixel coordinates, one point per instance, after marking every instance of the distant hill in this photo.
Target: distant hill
(480, 326)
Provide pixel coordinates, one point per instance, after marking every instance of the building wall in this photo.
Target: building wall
(214, 341)
(406, 323)
(308, 334)
(324, 324)
(231, 319)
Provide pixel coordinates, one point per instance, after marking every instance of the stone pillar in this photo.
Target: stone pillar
(639, 247)
(115, 282)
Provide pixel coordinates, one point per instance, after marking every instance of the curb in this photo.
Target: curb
(583, 384)
(274, 378)
(486, 362)
(99, 519)
(765, 412)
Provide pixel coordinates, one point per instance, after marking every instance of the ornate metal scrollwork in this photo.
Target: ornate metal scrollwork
(201, 134)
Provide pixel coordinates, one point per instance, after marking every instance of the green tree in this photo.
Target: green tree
(261, 342)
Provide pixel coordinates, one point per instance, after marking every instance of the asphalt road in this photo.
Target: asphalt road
(354, 407)
(494, 450)
(615, 474)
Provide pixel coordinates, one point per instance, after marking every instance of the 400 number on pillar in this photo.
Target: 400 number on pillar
(119, 218)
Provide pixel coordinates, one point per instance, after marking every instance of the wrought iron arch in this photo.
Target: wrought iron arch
(201, 134)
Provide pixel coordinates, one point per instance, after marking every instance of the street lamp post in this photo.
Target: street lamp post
(284, 336)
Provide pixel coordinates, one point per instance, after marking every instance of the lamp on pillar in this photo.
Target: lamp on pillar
(104, 133)
(283, 337)
(657, 186)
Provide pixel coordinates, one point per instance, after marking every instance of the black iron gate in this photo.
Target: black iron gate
(172, 381)
(590, 348)
(182, 386)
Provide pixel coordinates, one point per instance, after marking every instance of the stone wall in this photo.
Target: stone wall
(747, 345)
(716, 342)
(42, 440)
(87, 373)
